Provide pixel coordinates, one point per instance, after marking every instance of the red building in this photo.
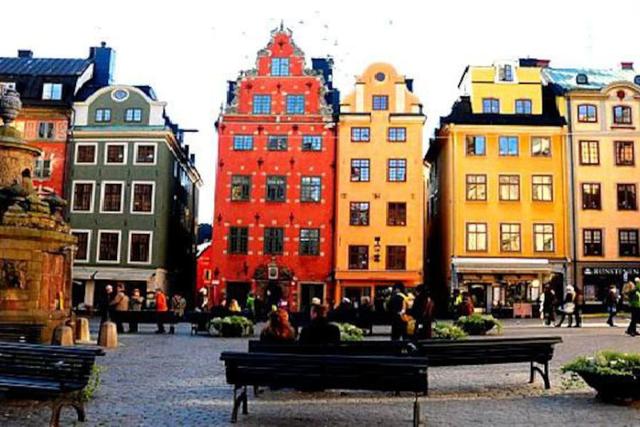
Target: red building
(203, 267)
(274, 198)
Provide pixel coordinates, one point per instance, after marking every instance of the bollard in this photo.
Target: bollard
(62, 335)
(108, 336)
(82, 329)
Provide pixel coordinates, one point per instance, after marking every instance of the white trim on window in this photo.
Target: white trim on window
(106, 150)
(88, 233)
(149, 255)
(73, 195)
(83, 144)
(135, 153)
(98, 258)
(102, 187)
(153, 197)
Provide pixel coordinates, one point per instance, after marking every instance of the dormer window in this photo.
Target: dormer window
(582, 79)
(279, 66)
(52, 91)
(506, 73)
(636, 80)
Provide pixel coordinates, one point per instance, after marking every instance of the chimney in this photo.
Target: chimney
(626, 65)
(24, 53)
(104, 59)
(192, 159)
(409, 83)
(543, 63)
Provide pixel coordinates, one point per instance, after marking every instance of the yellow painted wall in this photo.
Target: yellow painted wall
(526, 85)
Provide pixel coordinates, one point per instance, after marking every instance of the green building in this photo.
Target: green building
(133, 196)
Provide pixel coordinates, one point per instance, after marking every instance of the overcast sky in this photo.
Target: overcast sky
(188, 49)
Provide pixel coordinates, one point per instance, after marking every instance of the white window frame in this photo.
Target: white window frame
(103, 184)
(73, 195)
(150, 256)
(88, 232)
(86, 144)
(106, 150)
(135, 153)
(98, 254)
(47, 95)
(153, 197)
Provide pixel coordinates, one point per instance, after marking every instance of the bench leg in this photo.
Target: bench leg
(237, 400)
(544, 374)
(79, 407)
(532, 374)
(416, 412)
(245, 404)
(56, 407)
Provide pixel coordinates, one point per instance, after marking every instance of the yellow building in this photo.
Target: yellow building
(380, 186)
(602, 107)
(497, 203)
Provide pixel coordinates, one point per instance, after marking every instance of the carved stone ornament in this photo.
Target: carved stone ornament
(12, 274)
(10, 105)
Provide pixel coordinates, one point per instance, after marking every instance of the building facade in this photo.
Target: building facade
(498, 206)
(380, 186)
(133, 196)
(602, 107)
(272, 225)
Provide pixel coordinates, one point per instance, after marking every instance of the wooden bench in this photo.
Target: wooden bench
(537, 351)
(324, 372)
(147, 316)
(53, 373)
(24, 333)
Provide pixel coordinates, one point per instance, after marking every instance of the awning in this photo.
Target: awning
(112, 273)
(511, 266)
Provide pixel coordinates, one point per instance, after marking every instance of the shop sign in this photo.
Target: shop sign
(611, 271)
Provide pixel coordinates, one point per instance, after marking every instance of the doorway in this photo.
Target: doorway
(238, 291)
(478, 293)
(308, 291)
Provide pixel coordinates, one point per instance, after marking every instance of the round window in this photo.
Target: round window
(119, 95)
(380, 77)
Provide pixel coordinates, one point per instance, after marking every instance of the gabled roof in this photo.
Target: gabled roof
(43, 66)
(565, 79)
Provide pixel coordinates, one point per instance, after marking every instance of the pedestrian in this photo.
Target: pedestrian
(422, 311)
(466, 307)
(398, 309)
(250, 307)
(106, 307)
(611, 304)
(365, 313)
(634, 305)
(278, 328)
(568, 307)
(178, 305)
(119, 303)
(234, 307)
(202, 303)
(549, 305)
(319, 331)
(135, 304)
(161, 308)
(579, 306)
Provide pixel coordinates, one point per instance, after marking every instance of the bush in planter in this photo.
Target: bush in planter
(478, 324)
(448, 332)
(349, 332)
(231, 326)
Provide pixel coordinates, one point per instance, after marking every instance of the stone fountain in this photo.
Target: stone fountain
(36, 246)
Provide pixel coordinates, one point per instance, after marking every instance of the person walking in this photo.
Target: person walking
(422, 311)
(579, 306)
(549, 306)
(568, 307)
(611, 304)
(161, 307)
(135, 304)
(105, 311)
(397, 310)
(634, 306)
(119, 303)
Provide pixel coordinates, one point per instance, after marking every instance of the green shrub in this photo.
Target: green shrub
(606, 363)
(94, 382)
(478, 324)
(448, 332)
(231, 326)
(349, 332)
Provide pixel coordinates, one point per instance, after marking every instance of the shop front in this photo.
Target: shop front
(596, 278)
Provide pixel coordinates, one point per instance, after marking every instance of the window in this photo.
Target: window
(624, 153)
(523, 106)
(309, 241)
(510, 237)
(627, 197)
(380, 102)
(582, 79)
(276, 188)
(145, 154)
(109, 246)
(295, 104)
(476, 237)
(279, 66)
(310, 189)
(592, 241)
(115, 154)
(505, 73)
(476, 187)
(490, 105)
(133, 115)
(45, 130)
(360, 134)
(543, 237)
(628, 242)
(397, 134)
(397, 170)
(140, 247)
(238, 240)
(52, 91)
(42, 169)
(242, 142)
(112, 195)
(591, 196)
(476, 145)
(587, 113)
(359, 213)
(103, 115)
(277, 143)
(82, 253)
(542, 188)
(143, 197)
(589, 153)
(509, 187)
(396, 258)
(541, 146)
(82, 197)
(273, 240)
(396, 214)
(622, 115)
(261, 104)
(240, 188)
(86, 154)
(358, 257)
(360, 170)
(311, 143)
(508, 145)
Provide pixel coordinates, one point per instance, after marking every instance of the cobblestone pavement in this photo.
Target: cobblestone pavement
(178, 380)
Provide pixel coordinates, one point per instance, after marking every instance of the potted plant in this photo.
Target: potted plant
(443, 331)
(478, 324)
(614, 375)
(349, 332)
(230, 326)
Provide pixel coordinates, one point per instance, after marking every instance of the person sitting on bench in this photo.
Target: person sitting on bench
(278, 329)
(320, 331)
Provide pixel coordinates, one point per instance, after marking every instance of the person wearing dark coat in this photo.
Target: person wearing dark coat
(422, 311)
(320, 331)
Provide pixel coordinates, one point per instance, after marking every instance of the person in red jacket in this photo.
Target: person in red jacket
(161, 305)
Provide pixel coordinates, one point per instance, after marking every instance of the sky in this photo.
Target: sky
(188, 49)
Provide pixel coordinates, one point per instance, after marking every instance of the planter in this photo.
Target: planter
(614, 388)
(478, 325)
(230, 327)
